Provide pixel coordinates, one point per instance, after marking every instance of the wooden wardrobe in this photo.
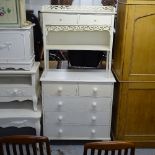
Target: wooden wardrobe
(134, 69)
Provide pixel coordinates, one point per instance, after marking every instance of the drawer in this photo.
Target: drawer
(95, 20)
(60, 89)
(83, 104)
(77, 132)
(78, 118)
(96, 90)
(60, 19)
(15, 91)
(15, 79)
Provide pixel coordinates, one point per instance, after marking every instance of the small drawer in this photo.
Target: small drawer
(95, 20)
(74, 104)
(60, 19)
(96, 90)
(77, 132)
(60, 89)
(16, 91)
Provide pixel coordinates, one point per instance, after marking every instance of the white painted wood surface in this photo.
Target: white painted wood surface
(20, 114)
(72, 98)
(78, 28)
(77, 104)
(16, 48)
(20, 85)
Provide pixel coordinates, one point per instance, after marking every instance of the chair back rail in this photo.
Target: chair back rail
(24, 145)
(109, 148)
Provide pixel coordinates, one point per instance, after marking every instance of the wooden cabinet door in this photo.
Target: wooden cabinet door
(134, 112)
(134, 45)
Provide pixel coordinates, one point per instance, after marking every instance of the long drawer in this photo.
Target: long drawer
(78, 118)
(88, 104)
(21, 90)
(76, 132)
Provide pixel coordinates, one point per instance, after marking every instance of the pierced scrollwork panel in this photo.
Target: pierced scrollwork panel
(78, 28)
(84, 9)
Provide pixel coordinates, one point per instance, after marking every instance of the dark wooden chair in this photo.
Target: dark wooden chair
(24, 145)
(109, 148)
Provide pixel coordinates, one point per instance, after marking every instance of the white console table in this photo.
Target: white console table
(77, 104)
(20, 85)
(16, 114)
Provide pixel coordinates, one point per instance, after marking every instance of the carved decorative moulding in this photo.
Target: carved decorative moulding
(79, 28)
(81, 9)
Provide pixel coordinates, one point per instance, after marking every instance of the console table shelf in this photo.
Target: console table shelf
(78, 28)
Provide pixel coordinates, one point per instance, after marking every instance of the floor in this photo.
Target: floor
(78, 150)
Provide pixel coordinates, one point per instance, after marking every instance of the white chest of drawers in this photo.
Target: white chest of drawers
(77, 105)
(16, 48)
(20, 85)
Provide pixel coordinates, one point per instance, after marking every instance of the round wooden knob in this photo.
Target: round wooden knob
(60, 118)
(60, 131)
(93, 131)
(94, 104)
(93, 118)
(95, 90)
(60, 103)
(60, 90)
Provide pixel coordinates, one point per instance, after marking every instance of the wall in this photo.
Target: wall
(36, 4)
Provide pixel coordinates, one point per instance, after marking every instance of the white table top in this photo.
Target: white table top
(77, 75)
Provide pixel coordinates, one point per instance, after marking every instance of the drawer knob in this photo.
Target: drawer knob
(95, 90)
(93, 118)
(60, 103)
(93, 131)
(16, 92)
(60, 19)
(60, 131)
(60, 118)
(94, 104)
(94, 20)
(60, 90)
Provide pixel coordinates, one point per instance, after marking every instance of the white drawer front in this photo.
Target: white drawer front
(78, 118)
(96, 90)
(60, 89)
(60, 19)
(51, 103)
(77, 132)
(16, 91)
(95, 20)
